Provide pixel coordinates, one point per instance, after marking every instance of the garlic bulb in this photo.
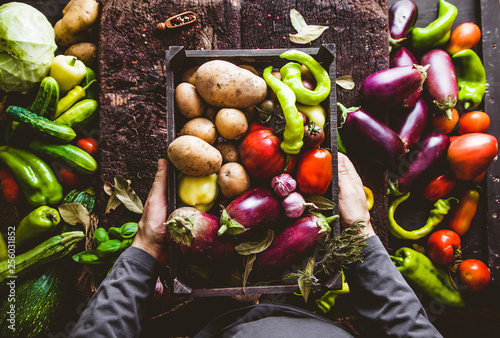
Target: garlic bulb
(295, 205)
(283, 184)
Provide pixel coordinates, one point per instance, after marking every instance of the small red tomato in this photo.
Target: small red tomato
(308, 84)
(313, 136)
(441, 121)
(474, 274)
(473, 122)
(68, 178)
(304, 117)
(439, 187)
(89, 145)
(442, 246)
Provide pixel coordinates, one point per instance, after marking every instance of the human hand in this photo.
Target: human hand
(352, 198)
(151, 234)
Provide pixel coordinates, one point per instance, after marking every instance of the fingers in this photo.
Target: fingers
(159, 188)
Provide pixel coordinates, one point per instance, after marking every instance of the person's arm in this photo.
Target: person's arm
(118, 306)
(379, 292)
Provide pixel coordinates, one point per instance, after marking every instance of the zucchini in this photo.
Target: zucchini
(91, 92)
(79, 115)
(67, 154)
(84, 197)
(53, 248)
(46, 100)
(41, 125)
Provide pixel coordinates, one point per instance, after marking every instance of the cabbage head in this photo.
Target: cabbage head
(27, 46)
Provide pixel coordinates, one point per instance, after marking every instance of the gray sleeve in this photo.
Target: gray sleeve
(118, 306)
(380, 294)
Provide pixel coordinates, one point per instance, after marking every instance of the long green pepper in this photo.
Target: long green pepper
(471, 78)
(294, 128)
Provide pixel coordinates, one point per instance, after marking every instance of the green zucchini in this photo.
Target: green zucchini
(41, 125)
(67, 154)
(46, 100)
(53, 248)
(84, 197)
(91, 92)
(79, 115)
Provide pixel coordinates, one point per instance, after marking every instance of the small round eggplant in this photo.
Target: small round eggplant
(403, 57)
(412, 124)
(389, 87)
(366, 135)
(441, 86)
(427, 162)
(402, 17)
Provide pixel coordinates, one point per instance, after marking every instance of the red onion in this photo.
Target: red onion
(283, 184)
(295, 205)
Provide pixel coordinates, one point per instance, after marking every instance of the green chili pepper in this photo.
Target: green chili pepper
(422, 274)
(90, 93)
(471, 78)
(294, 128)
(291, 76)
(37, 222)
(74, 95)
(438, 32)
(327, 301)
(441, 208)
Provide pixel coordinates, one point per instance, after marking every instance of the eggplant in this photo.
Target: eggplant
(402, 57)
(412, 124)
(363, 133)
(296, 243)
(194, 233)
(250, 212)
(441, 86)
(390, 87)
(427, 162)
(402, 17)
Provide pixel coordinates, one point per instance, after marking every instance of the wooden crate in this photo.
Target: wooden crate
(179, 60)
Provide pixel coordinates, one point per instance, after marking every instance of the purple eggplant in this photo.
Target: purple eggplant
(410, 126)
(194, 233)
(403, 57)
(364, 134)
(294, 244)
(441, 86)
(426, 162)
(254, 210)
(402, 17)
(390, 87)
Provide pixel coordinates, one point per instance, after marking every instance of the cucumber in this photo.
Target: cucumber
(41, 125)
(46, 100)
(91, 92)
(84, 197)
(79, 115)
(67, 154)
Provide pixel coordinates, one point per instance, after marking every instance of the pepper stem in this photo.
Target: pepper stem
(72, 62)
(397, 260)
(466, 105)
(88, 84)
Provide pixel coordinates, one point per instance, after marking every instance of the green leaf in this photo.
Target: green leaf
(305, 283)
(108, 247)
(129, 229)
(248, 268)
(115, 232)
(256, 246)
(346, 82)
(321, 203)
(127, 195)
(297, 20)
(86, 257)
(100, 236)
(126, 243)
(307, 34)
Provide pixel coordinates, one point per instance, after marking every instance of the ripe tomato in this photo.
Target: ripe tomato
(68, 178)
(439, 187)
(441, 121)
(473, 122)
(442, 246)
(313, 136)
(261, 154)
(10, 189)
(471, 154)
(463, 215)
(254, 126)
(474, 274)
(89, 145)
(465, 36)
(314, 172)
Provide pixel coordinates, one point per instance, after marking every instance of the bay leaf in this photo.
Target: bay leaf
(297, 20)
(305, 284)
(127, 195)
(346, 82)
(321, 203)
(256, 246)
(75, 213)
(248, 268)
(113, 201)
(307, 34)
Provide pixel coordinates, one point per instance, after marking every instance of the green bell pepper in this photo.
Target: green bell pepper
(471, 78)
(423, 275)
(438, 32)
(199, 192)
(41, 220)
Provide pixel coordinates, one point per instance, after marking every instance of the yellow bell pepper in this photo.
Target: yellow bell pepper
(199, 192)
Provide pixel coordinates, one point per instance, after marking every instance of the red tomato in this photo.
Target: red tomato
(473, 122)
(471, 154)
(89, 145)
(441, 121)
(261, 154)
(314, 173)
(308, 84)
(474, 274)
(465, 36)
(10, 189)
(313, 136)
(442, 246)
(439, 187)
(254, 126)
(68, 178)
(479, 178)
(304, 117)
(466, 209)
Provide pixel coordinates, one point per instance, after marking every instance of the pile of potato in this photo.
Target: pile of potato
(215, 97)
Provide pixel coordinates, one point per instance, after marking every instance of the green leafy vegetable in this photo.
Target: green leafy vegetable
(129, 229)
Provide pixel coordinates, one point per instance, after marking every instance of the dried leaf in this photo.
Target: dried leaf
(419, 248)
(308, 34)
(74, 213)
(127, 195)
(108, 188)
(297, 20)
(305, 284)
(321, 203)
(248, 267)
(254, 247)
(346, 82)
(113, 201)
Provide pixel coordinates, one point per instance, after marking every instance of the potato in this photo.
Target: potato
(79, 16)
(188, 101)
(229, 152)
(225, 85)
(250, 68)
(64, 39)
(189, 75)
(233, 179)
(193, 156)
(84, 51)
(202, 128)
(231, 123)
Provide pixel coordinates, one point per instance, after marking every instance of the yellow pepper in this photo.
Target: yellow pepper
(314, 113)
(369, 197)
(327, 301)
(67, 71)
(199, 192)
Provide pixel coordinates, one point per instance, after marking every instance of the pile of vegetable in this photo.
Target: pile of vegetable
(436, 144)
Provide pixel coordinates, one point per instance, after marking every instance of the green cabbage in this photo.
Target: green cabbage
(27, 46)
